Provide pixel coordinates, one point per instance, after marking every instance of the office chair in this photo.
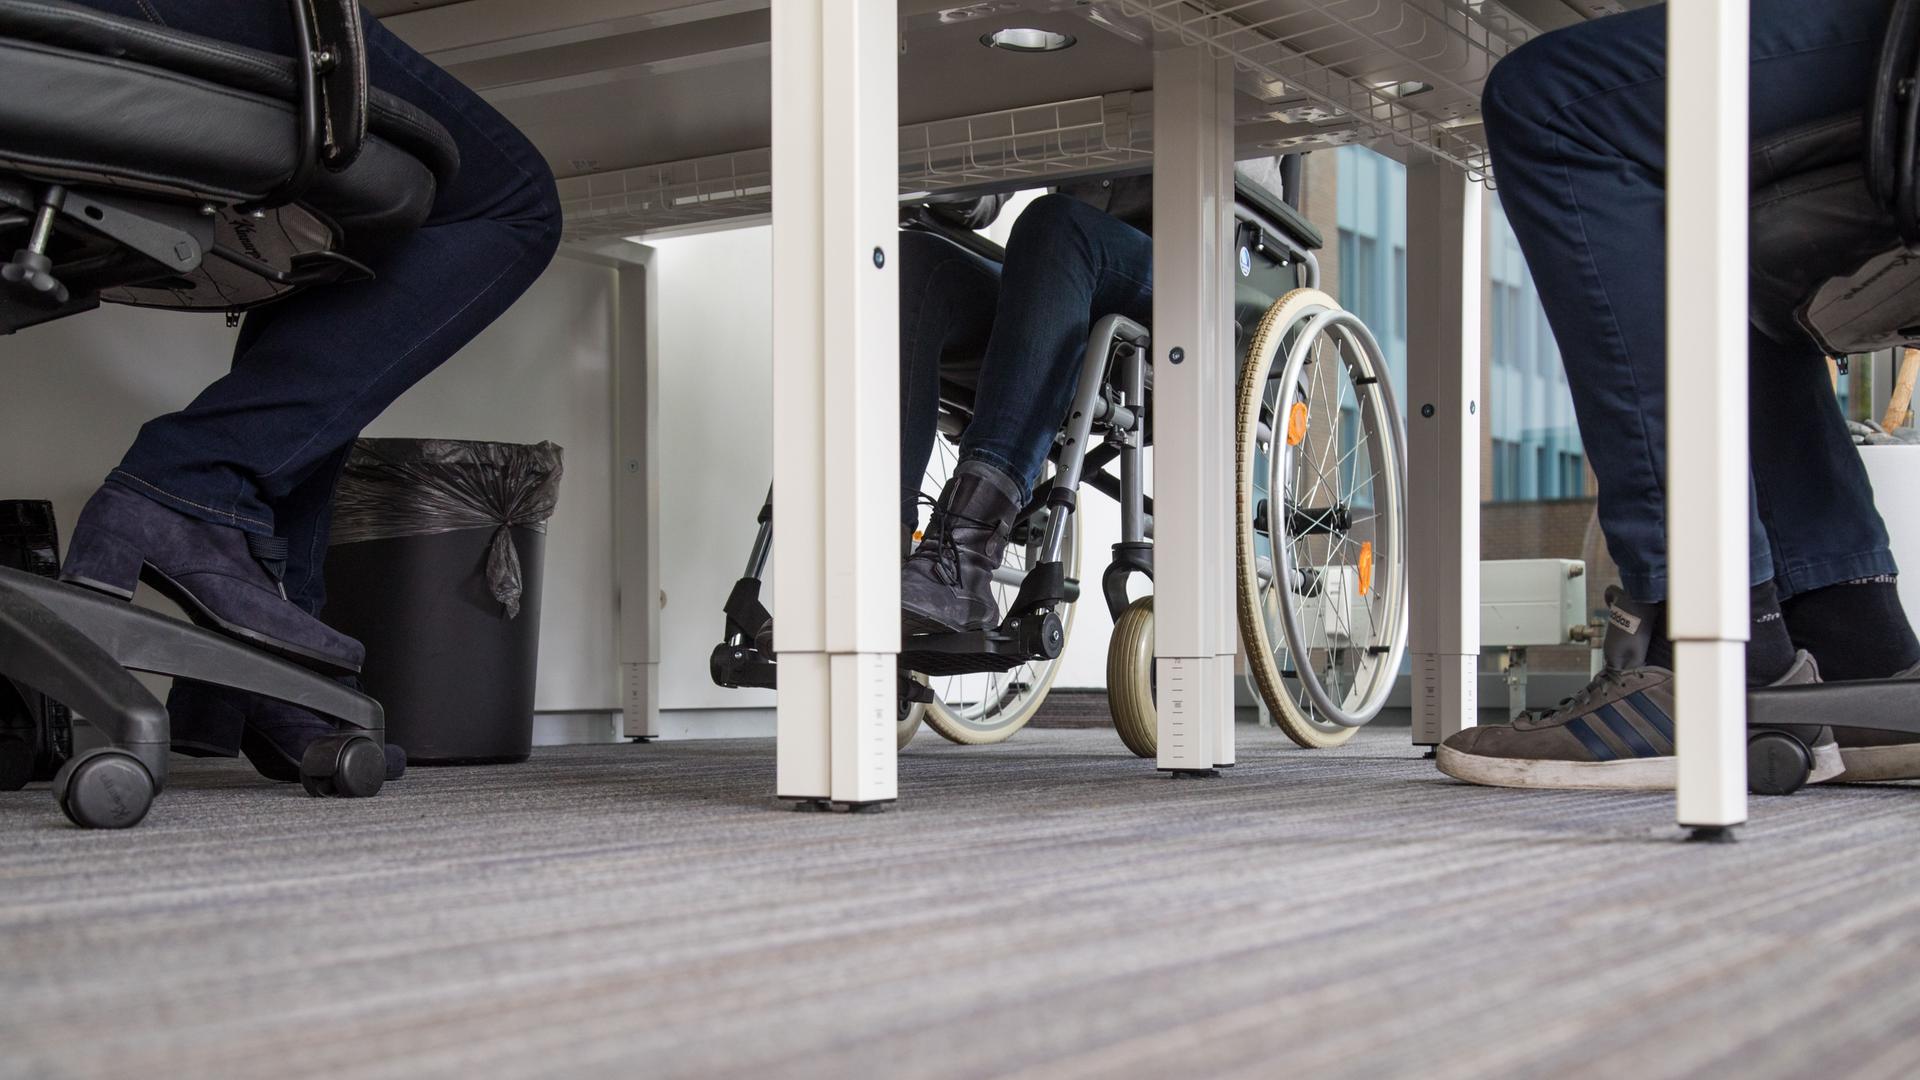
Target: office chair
(141, 165)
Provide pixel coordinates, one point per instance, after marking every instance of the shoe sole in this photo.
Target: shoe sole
(200, 615)
(1635, 774)
(1872, 764)
(914, 623)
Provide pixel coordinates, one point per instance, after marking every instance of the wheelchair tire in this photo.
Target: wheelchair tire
(985, 708)
(1130, 679)
(1287, 574)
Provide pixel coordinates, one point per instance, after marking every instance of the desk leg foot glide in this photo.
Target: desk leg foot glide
(828, 806)
(1710, 834)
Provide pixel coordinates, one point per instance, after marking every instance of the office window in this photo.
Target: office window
(1499, 323)
(1548, 356)
(1548, 348)
(1349, 269)
(1366, 273)
(1543, 485)
(1513, 329)
(1573, 475)
(1400, 292)
(1506, 471)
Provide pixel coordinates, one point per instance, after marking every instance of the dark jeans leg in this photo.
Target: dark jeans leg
(947, 300)
(312, 370)
(1577, 124)
(1809, 483)
(1066, 262)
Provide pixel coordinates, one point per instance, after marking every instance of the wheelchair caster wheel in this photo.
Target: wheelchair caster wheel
(104, 789)
(16, 763)
(1777, 763)
(343, 767)
(1130, 689)
(1043, 637)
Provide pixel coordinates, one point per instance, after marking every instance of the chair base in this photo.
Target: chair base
(79, 648)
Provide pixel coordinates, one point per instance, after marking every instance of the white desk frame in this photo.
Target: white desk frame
(835, 388)
(836, 397)
(1707, 472)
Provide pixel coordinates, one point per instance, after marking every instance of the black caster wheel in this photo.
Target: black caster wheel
(1044, 636)
(1777, 763)
(104, 789)
(343, 767)
(16, 763)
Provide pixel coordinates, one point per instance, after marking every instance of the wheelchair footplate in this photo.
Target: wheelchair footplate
(1032, 633)
(1019, 640)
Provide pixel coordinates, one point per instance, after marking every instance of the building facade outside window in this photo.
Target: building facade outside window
(1537, 496)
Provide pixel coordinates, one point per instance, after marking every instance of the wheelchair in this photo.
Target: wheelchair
(1320, 508)
(141, 165)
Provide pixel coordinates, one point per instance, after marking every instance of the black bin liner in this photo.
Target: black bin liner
(436, 564)
(36, 732)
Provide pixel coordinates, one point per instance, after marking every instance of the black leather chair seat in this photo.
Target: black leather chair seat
(1828, 263)
(93, 100)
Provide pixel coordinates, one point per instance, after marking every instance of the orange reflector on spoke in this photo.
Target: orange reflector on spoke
(1366, 568)
(1297, 424)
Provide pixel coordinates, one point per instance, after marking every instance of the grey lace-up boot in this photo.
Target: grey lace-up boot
(946, 586)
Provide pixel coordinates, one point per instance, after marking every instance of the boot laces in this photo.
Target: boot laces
(946, 553)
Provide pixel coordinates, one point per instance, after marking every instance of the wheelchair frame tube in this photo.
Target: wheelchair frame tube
(762, 541)
(1132, 377)
(1093, 368)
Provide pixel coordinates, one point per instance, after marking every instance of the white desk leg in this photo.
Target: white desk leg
(636, 482)
(836, 468)
(637, 495)
(1443, 447)
(1193, 378)
(1707, 537)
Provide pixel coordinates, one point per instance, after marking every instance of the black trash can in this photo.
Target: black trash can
(436, 564)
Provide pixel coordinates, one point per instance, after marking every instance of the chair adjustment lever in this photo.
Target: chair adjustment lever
(30, 266)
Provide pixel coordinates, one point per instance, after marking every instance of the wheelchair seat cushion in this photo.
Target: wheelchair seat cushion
(1829, 270)
(90, 99)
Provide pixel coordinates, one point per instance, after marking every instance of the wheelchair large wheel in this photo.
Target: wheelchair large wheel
(1320, 520)
(988, 707)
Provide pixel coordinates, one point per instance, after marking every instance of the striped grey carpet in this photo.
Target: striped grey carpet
(1045, 908)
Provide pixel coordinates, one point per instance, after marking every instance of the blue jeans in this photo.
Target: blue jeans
(262, 447)
(1014, 333)
(1577, 123)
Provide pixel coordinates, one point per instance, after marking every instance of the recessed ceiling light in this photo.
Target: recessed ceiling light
(1397, 90)
(1023, 39)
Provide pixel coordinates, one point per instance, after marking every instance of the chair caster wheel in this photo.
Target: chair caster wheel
(343, 767)
(16, 763)
(1777, 763)
(104, 789)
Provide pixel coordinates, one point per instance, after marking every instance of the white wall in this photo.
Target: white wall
(715, 334)
(74, 393)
